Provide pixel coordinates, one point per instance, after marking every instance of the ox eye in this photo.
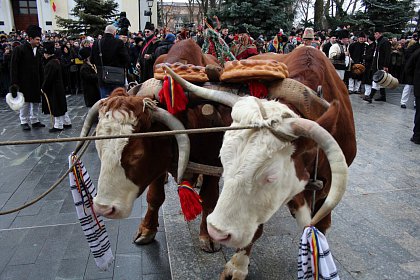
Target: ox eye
(137, 156)
(270, 178)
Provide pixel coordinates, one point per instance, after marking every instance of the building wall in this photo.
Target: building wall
(6, 16)
(176, 15)
(134, 9)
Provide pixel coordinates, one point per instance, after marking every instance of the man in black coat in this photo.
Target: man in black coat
(356, 51)
(146, 58)
(407, 77)
(413, 66)
(26, 75)
(165, 45)
(381, 61)
(53, 88)
(114, 53)
(89, 78)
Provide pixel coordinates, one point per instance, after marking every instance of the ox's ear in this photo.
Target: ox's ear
(119, 91)
(328, 120)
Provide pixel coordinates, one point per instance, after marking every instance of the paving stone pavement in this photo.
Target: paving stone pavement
(45, 241)
(375, 232)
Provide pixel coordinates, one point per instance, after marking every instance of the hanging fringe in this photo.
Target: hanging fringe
(173, 95)
(257, 89)
(190, 201)
(83, 191)
(315, 259)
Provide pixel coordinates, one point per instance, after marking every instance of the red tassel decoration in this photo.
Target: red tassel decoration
(190, 201)
(257, 89)
(172, 94)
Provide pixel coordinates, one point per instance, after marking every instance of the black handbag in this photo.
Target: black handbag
(74, 68)
(111, 74)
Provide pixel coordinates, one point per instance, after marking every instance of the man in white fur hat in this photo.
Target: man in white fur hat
(26, 76)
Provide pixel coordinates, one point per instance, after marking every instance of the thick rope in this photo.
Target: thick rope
(59, 180)
(134, 135)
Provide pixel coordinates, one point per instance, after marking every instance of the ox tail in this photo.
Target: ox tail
(336, 159)
(225, 98)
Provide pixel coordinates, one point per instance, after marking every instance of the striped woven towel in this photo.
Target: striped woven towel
(83, 191)
(315, 259)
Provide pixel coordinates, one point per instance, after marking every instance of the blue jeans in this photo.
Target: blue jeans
(106, 89)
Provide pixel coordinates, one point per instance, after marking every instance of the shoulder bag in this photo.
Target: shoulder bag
(111, 74)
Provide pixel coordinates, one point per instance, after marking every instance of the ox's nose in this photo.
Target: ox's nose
(216, 234)
(103, 210)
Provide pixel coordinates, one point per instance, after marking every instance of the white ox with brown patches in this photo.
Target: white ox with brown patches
(260, 175)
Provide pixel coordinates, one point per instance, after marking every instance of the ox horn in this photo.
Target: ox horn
(339, 169)
(225, 98)
(302, 97)
(87, 125)
(183, 140)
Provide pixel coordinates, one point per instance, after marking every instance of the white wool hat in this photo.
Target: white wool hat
(15, 103)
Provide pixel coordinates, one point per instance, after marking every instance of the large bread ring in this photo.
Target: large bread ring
(190, 72)
(247, 69)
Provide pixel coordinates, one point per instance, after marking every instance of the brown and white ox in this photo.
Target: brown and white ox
(128, 166)
(273, 166)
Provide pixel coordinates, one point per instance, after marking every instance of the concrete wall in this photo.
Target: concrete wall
(134, 9)
(6, 15)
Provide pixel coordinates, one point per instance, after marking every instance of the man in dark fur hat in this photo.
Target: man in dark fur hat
(123, 21)
(381, 61)
(53, 87)
(357, 51)
(146, 58)
(26, 76)
(338, 53)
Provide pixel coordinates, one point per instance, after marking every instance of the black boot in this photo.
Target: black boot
(383, 96)
(371, 95)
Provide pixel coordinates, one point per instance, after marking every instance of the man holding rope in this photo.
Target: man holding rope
(26, 76)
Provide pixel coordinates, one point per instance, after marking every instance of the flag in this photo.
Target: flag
(53, 6)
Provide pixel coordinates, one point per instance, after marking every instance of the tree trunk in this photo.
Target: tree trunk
(319, 11)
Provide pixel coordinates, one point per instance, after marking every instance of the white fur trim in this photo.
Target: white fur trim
(15, 103)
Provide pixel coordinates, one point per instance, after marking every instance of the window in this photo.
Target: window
(28, 7)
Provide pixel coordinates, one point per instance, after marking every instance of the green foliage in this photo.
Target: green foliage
(91, 17)
(259, 16)
(392, 15)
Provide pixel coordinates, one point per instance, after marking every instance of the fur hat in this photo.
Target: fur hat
(242, 29)
(344, 33)
(308, 33)
(49, 47)
(123, 31)
(149, 26)
(84, 53)
(138, 39)
(34, 31)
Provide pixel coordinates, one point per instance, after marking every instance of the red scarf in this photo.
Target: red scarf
(147, 44)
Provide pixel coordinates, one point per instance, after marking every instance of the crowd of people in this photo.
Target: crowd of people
(96, 66)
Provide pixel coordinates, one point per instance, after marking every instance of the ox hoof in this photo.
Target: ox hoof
(208, 245)
(227, 276)
(145, 238)
(236, 268)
